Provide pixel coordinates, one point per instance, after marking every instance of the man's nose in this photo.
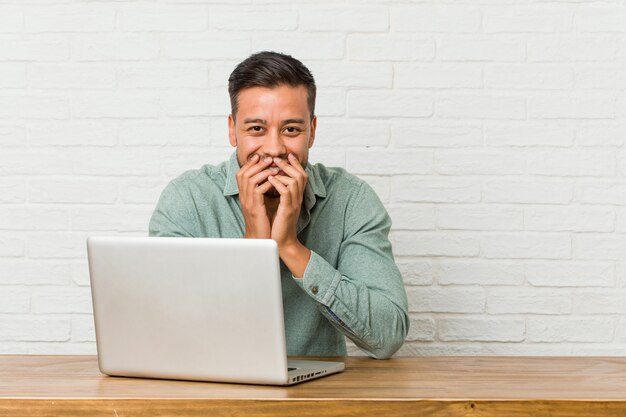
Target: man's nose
(273, 145)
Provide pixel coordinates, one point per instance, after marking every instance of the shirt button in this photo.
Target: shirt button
(314, 290)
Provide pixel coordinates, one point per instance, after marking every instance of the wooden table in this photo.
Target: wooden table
(421, 386)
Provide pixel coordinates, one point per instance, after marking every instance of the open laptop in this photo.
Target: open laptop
(194, 309)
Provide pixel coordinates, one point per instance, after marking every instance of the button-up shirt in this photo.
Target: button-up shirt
(351, 285)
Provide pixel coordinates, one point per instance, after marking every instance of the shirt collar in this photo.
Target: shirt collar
(314, 187)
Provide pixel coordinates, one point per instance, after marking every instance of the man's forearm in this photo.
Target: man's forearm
(296, 258)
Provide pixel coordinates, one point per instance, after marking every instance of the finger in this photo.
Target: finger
(262, 176)
(259, 193)
(298, 174)
(257, 167)
(292, 187)
(286, 167)
(285, 195)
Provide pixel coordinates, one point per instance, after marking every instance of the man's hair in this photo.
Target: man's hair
(270, 69)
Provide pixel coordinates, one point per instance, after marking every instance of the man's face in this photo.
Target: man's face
(272, 122)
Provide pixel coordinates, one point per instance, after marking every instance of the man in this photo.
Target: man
(338, 273)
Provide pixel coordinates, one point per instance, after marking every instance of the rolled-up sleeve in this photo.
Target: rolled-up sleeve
(364, 296)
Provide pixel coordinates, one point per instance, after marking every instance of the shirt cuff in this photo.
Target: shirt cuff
(320, 279)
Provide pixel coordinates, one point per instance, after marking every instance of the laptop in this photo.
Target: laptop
(193, 309)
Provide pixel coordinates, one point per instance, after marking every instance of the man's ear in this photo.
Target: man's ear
(313, 127)
(232, 137)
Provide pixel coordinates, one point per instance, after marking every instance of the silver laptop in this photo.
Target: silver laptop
(193, 309)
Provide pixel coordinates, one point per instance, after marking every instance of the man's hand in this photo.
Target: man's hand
(284, 228)
(252, 189)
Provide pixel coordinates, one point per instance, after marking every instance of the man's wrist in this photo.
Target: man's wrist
(296, 257)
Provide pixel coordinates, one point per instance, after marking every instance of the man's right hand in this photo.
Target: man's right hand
(253, 184)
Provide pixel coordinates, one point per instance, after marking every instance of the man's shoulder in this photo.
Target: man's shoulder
(335, 178)
(205, 176)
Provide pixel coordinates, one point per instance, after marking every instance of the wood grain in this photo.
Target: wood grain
(442, 386)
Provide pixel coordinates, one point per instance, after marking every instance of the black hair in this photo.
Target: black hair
(270, 69)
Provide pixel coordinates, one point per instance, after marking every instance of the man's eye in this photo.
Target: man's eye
(256, 129)
(292, 130)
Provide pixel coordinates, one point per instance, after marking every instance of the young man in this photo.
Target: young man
(338, 273)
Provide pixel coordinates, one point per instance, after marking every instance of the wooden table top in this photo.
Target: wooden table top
(36, 383)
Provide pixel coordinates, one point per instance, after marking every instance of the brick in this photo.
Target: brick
(569, 330)
(116, 47)
(254, 18)
(570, 162)
(412, 216)
(219, 72)
(480, 106)
(330, 157)
(11, 244)
(437, 349)
(196, 102)
(112, 218)
(74, 75)
(420, 272)
(34, 48)
(438, 75)
(601, 192)
(620, 219)
(80, 273)
(421, 329)
(34, 162)
(574, 219)
(94, 133)
(188, 75)
(529, 76)
(548, 191)
(372, 103)
(384, 47)
(418, 133)
(34, 329)
(12, 136)
(28, 106)
(559, 274)
(598, 247)
(11, 19)
(479, 217)
(387, 161)
(549, 133)
(591, 18)
(303, 46)
(12, 191)
(412, 243)
(524, 19)
(176, 162)
(163, 18)
(525, 349)
(479, 162)
(330, 103)
(70, 18)
(498, 48)
(83, 329)
(571, 107)
(82, 191)
(20, 217)
(21, 271)
(196, 132)
(359, 74)
(605, 301)
(14, 300)
(56, 245)
(61, 300)
(529, 301)
(480, 330)
(548, 48)
(483, 273)
(620, 331)
(601, 77)
(526, 245)
(445, 300)
(204, 48)
(424, 190)
(343, 18)
(601, 133)
(12, 75)
(142, 190)
(116, 162)
(340, 132)
(427, 18)
(118, 105)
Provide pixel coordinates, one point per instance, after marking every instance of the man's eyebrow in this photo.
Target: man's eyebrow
(297, 121)
(255, 121)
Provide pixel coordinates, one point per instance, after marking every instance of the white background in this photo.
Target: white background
(493, 131)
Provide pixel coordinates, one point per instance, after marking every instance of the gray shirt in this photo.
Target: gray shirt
(351, 285)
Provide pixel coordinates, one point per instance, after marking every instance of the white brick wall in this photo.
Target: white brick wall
(492, 131)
